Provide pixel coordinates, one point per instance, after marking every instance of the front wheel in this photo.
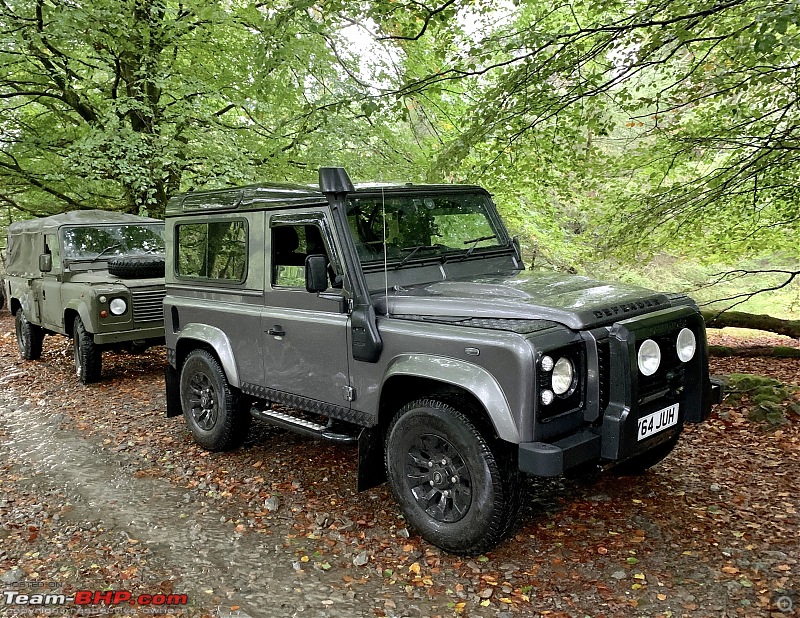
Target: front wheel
(456, 488)
(30, 337)
(87, 355)
(211, 406)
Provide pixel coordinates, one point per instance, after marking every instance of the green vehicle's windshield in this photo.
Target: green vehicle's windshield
(422, 226)
(106, 241)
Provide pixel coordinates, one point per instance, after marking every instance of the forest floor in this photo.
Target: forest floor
(99, 491)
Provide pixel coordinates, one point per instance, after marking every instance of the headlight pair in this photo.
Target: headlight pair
(649, 356)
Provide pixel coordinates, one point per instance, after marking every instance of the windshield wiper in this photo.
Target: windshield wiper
(474, 243)
(413, 251)
(109, 248)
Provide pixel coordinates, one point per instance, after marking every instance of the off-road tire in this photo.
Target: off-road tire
(639, 464)
(87, 355)
(29, 337)
(483, 504)
(136, 268)
(214, 411)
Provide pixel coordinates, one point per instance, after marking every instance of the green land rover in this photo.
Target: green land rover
(92, 275)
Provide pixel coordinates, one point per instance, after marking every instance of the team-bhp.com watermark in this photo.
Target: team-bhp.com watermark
(90, 601)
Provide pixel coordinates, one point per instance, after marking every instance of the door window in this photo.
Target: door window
(291, 244)
(51, 247)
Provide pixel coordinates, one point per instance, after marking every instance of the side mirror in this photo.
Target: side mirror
(45, 262)
(316, 273)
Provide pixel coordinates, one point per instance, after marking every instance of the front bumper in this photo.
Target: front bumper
(154, 334)
(544, 459)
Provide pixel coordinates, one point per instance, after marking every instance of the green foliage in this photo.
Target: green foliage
(768, 397)
(611, 133)
(121, 103)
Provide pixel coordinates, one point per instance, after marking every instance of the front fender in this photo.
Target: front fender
(472, 378)
(218, 341)
(79, 307)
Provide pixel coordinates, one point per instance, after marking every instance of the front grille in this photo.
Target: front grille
(147, 305)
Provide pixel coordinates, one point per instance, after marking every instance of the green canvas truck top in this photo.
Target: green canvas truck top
(23, 248)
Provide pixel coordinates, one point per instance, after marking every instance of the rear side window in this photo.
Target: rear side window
(213, 250)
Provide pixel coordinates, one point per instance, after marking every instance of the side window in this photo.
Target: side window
(213, 250)
(51, 247)
(290, 246)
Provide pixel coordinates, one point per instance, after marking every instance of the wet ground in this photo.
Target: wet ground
(101, 492)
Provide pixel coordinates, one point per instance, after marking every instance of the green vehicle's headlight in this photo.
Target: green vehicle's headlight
(118, 306)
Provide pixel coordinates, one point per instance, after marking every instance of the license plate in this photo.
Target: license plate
(658, 421)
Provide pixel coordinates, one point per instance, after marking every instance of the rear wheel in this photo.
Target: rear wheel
(456, 488)
(212, 408)
(29, 337)
(87, 355)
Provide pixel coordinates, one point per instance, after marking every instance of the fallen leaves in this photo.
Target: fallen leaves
(714, 525)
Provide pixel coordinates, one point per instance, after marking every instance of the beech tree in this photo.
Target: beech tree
(121, 103)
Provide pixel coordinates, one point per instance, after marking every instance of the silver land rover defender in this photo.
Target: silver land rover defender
(92, 275)
(401, 317)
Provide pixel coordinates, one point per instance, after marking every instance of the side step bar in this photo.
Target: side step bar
(302, 426)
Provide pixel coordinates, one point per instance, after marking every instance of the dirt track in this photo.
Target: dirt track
(100, 491)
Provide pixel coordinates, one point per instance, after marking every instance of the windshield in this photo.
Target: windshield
(105, 241)
(422, 226)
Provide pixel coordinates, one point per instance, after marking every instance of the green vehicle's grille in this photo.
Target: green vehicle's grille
(147, 305)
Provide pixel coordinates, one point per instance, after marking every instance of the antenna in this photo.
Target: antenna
(385, 256)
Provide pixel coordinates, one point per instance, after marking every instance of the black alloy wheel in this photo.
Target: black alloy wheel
(456, 486)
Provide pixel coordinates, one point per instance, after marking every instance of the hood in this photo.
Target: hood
(102, 277)
(576, 302)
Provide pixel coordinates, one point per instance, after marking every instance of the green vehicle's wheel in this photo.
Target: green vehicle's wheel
(87, 355)
(456, 488)
(211, 406)
(29, 337)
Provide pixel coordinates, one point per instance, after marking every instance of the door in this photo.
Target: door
(48, 289)
(306, 351)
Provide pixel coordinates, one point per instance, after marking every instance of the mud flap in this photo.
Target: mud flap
(371, 466)
(173, 385)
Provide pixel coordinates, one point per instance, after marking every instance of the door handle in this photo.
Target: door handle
(276, 331)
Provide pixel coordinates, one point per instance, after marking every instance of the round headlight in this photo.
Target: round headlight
(118, 306)
(649, 357)
(563, 374)
(686, 345)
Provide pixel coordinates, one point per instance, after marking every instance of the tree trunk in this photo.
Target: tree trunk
(775, 352)
(738, 319)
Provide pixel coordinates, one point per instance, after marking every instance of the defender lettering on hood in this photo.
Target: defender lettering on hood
(402, 318)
